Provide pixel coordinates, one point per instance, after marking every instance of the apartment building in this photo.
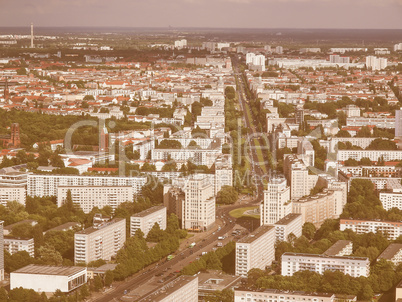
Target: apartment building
(101, 241)
(205, 157)
(332, 143)
(290, 224)
(316, 209)
(392, 229)
(373, 155)
(353, 266)
(47, 185)
(14, 245)
(379, 122)
(276, 295)
(89, 197)
(145, 220)
(181, 289)
(12, 194)
(391, 200)
(298, 177)
(340, 248)
(392, 253)
(256, 250)
(375, 63)
(276, 203)
(198, 209)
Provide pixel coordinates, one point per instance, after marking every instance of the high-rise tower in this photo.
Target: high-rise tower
(32, 36)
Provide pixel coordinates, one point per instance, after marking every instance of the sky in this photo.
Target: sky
(360, 14)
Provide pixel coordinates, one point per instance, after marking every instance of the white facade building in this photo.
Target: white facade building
(14, 245)
(256, 250)
(391, 200)
(101, 241)
(373, 155)
(145, 220)
(48, 279)
(47, 185)
(376, 63)
(392, 253)
(276, 204)
(275, 295)
(392, 229)
(353, 266)
(12, 194)
(89, 197)
(290, 224)
(198, 210)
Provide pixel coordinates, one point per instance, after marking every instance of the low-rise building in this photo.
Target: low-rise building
(145, 220)
(340, 248)
(48, 279)
(14, 245)
(392, 253)
(256, 250)
(353, 266)
(211, 281)
(290, 224)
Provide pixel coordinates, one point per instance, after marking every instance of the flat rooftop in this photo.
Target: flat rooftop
(287, 219)
(93, 229)
(390, 251)
(149, 211)
(64, 226)
(216, 280)
(256, 234)
(337, 247)
(287, 292)
(35, 269)
(165, 290)
(324, 256)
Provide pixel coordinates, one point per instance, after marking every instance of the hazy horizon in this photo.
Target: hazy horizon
(250, 14)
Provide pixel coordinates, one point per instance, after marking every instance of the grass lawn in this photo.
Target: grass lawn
(237, 213)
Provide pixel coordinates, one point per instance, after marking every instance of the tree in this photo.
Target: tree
(98, 283)
(364, 132)
(308, 230)
(365, 161)
(89, 98)
(155, 234)
(109, 278)
(227, 195)
(49, 255)
(351, 162)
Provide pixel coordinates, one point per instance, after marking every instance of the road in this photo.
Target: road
(249, 122)
(178, 262)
